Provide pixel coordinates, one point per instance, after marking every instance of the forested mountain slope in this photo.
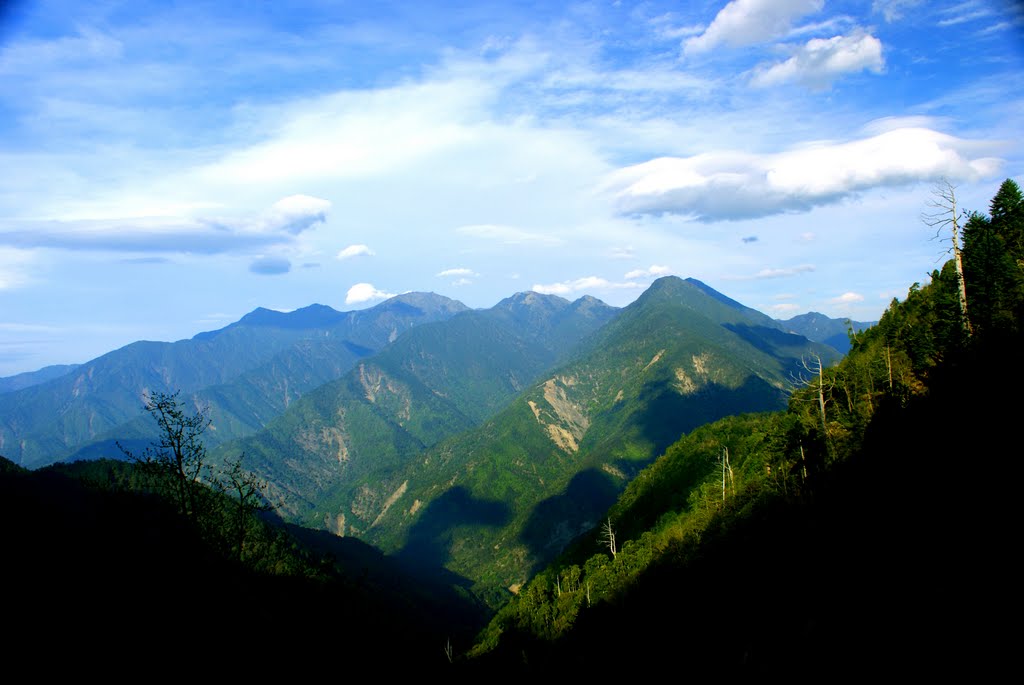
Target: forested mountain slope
(252, 368)
(851, 535)
(495, 502)
(329, 454)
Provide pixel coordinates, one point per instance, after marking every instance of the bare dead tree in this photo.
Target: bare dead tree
(608, 537)
(946, 215)
(813, 377)
(726, 472)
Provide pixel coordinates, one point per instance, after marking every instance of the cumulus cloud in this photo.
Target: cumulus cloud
(581, 284)
(365, 292)
(847, 298)
(654, 270)
(821, 60)
(509, 235)
(461, 271)
(270, 266)
(748, 22)
(720, 186)
(355, 251)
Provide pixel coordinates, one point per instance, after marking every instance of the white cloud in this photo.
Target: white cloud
(88, 46)
(886, 124)
(654, 270)
(783, 273)
(14, 265)
(622, 253)
(279, 224)
(721, 186)
(293, 214)
(582, 284)
(784, 308)
(461, 271)
(893, 10)
(357, 133)
(461, 282)
(356, 251)
(509, 235)
(847, 298)
(964, 12)
(821, 60)
(365, 292)
(748, 22)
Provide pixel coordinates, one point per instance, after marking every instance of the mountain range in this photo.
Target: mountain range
(448, 436)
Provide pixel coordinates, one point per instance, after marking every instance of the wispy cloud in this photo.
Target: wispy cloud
(964, 12)
(206, 235)
(736, 185)
(509, 235)
(783, 272)
(460, 271)
(893, 10)
(652, 271)
(582, 284)
(270, 266)
(15, 267)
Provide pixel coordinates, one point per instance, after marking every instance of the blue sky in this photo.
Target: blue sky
(167, 167)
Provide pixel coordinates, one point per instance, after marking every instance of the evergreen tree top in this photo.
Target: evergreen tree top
(1006, 201)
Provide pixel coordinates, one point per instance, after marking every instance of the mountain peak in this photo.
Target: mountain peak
(532, 299)
(313, 316)
(423, 302)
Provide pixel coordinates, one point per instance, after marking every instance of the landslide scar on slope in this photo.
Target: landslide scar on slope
(653, 361)
(389, 501)
(567, 423)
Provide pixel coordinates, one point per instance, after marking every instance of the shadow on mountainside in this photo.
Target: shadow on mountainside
(557, 520)
(430, 539)
(667, 415)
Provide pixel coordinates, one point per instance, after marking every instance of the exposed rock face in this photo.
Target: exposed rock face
(565, 421)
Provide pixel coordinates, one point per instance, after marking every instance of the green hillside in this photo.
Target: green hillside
(494, 503)
(334, 456)
(848, 536)
(251, 369)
